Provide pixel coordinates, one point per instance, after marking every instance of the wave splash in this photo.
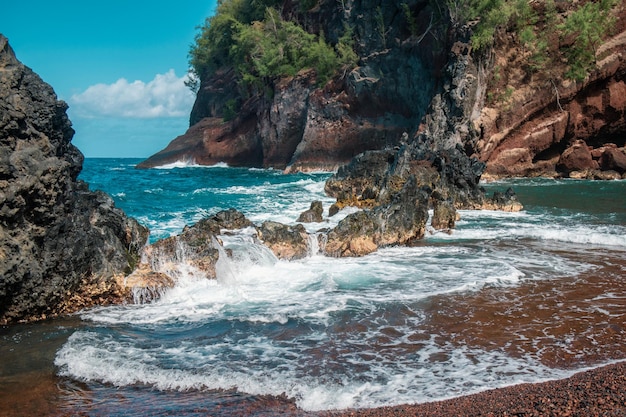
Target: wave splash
(320, 330)
(337, 333)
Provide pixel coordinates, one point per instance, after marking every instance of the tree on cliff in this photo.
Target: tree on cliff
(252, 37)
(580, 27)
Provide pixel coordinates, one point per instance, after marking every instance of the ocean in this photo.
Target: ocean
(505, 298)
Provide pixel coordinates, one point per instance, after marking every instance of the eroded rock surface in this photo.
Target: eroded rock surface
(62, 247)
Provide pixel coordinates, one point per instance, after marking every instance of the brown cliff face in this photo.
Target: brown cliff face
(550, 126)
(62, 247)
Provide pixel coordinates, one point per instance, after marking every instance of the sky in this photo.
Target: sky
(120, 65)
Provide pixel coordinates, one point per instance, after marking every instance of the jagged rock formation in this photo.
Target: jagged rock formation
(197, 248)
(313, 215)
(62, 247)
(400, 222)
(286, 242)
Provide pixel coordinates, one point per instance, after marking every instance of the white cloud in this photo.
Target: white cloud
(165, 96)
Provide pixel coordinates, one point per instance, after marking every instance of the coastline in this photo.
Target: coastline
(595, 392)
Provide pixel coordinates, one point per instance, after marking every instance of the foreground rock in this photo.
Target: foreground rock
(193, 253)
(287, 242)
(401, 222)
(62, 247)
(312, 215)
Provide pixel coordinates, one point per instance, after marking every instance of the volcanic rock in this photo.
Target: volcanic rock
(62, 247)
(401, 222)
(313, 214)
(506, 201)
(444, 215)
(195, 251)
(287, 242)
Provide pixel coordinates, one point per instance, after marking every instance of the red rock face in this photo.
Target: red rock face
(542, 133)
(577, 158)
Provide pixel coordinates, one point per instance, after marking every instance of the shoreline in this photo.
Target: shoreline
(595, 392)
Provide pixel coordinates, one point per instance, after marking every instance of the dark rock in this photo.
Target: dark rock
(356, 235)
(62, 247)
(313, 214)
(360, 182)
(230, 219)
(444, 215)
(371, 179)
(333, 209)
(287, 242)
(197, 246)
(401, 222)
(506, 201)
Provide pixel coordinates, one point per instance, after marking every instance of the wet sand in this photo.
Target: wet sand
(597, 392)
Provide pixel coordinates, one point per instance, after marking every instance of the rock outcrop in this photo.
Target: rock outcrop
(286, 242)
(313, 215)
(400, 222)
(195, 251)
(62, 247)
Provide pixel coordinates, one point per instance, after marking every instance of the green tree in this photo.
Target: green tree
(587, 26)
(274, 48)
(211, 47)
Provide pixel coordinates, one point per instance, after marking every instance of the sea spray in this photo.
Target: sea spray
(223, 266)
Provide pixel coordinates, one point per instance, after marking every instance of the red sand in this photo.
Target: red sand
(598, 392)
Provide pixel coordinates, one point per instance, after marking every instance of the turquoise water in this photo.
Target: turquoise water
(165, 200)
(505, 298)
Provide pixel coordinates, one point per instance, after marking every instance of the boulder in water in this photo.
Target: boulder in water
(194, 251)
(444, 215)
(287, 242)
(313, 215)
(402, 222)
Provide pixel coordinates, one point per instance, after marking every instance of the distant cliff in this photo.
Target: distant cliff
(62, 247)
(302, 125)
(494, 77)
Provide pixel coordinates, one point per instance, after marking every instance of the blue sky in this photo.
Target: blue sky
(120, 65)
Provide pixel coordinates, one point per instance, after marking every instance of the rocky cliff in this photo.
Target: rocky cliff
(62, 247)
(542, 124)
(304, 126)
(518, 122)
